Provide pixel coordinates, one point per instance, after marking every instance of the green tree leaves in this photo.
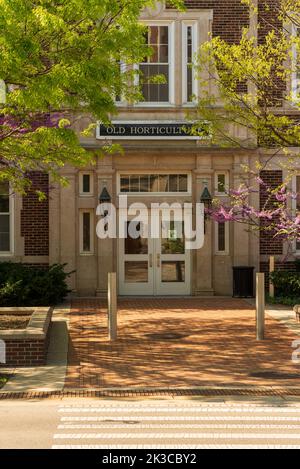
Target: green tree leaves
(62, 59)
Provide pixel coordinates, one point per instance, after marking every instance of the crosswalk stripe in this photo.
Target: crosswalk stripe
(178, 409)
(206, 436)
(176, 446)
(172, 404)
(167, 418)
(174, 426)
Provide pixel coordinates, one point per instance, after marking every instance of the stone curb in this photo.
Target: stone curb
(151, 392)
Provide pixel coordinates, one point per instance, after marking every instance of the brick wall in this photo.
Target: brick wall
(267, 17)
(269, 245)
(268, 20)
(31, 352)
(35, 217)
(230, 16)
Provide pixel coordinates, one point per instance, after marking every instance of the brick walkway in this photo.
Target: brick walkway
(217, 346)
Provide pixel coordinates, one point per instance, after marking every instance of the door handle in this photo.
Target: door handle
(150, 260)
(158, 260)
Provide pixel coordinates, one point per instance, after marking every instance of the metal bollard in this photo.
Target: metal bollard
(271, 269)
(112, 306)
(260, 306)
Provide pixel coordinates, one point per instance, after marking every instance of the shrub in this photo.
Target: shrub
(283, 300)
(287, 284)
(22, 285)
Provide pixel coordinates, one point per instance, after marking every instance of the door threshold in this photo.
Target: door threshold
(153, 297)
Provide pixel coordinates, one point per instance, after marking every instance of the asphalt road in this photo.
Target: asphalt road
(153, 423)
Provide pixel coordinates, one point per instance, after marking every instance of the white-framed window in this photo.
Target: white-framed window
(86, 184)
(6, 220)
(119, 99)
(295, 85)
(189, 49)
(222, 238)
(221, 183)
(156, 183)
(156, 72)
(296, 206)
(86, 232)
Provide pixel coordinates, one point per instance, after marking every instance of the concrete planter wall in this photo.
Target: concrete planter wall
(27, 347)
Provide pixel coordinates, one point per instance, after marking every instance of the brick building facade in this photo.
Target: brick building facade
(62, 228)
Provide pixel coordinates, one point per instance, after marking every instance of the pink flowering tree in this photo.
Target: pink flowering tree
(251, 82)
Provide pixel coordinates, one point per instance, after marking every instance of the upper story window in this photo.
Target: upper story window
(296, 67)
(119, 99)
(221, 183)
(157, 69)
(5, 219)
(189, 81)
(155, 183)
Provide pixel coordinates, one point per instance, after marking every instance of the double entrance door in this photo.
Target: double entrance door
(154, 265)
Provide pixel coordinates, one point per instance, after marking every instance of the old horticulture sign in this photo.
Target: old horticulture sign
(150, 130)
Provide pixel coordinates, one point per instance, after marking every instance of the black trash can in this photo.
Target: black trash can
(243, 282)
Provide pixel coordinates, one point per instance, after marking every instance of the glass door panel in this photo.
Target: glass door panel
(173, 271)
(154, 266)
(173, 260)
(135, 262)
(136, 272)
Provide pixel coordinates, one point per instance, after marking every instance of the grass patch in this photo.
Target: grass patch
(3, 380)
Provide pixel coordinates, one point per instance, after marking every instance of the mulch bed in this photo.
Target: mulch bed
(14, 321)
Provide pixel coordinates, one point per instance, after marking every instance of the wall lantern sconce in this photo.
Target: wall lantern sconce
(105, 198)
(206, 200)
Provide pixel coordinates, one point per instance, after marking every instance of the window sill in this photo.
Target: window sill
(189, 105)
(156, 194)
(154, 105)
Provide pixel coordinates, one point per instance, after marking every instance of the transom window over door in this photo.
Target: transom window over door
(155, 70)
(155, 183)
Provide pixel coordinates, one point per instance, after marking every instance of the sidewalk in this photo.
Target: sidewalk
(213, 345)
(49, 378)
(215, 353)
